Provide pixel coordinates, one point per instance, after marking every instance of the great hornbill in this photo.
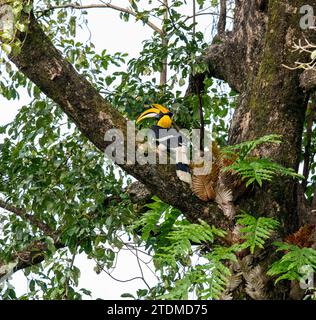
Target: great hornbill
(168, 138)
(212, 183)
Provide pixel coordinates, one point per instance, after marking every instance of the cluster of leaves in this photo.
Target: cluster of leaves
(254, 169)
(177, 245)
(182, 242)
(293, 264)
(256, 231)
(50, 171)
(15, 15)
(176, 241)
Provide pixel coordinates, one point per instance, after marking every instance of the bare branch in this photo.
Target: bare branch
(105, 5)
(164, 43)
(206, 14)
(194, 17)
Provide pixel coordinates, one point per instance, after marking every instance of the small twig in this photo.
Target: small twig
(200, 105)
(164, 43)
(141, 270)
(104, 5)
(194, 17)
(146, 264)
(206, 14)
(112, 277)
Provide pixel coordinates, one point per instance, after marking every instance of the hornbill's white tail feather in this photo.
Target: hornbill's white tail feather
(182, 164)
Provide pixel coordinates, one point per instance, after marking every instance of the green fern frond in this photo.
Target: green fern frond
(215, 274)
(208, 280)
(181, 239)
(291, 265)
(181, 289)
(244, 148)
(196, 233)
(256, 231)
(259, 170)
(150, 222)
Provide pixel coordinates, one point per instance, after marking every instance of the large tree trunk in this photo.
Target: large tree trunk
(271, 102)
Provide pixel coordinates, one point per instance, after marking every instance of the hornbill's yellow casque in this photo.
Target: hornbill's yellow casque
(163, 137)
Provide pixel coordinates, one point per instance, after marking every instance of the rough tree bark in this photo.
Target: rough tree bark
(249, 58)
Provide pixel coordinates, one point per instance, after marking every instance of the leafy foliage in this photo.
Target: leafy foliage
(259, 170)
(245, 148)
(180, 242)
(291, 265)
(254, 169)
(256, 231)
(175, 245)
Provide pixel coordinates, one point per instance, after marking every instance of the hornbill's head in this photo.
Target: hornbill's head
(159, 112)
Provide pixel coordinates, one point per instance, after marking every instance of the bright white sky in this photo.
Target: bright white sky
(110, 32)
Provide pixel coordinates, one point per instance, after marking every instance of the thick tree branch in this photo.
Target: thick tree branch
(33, 253)
(42, 63)
(104, 6)
(233, 55)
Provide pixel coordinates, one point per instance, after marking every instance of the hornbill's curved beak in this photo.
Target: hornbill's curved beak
(159, 112)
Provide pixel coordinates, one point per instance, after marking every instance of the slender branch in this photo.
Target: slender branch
(194, 17)
(141, 270)
(164, 43)
(198, 92)
(31, 255)
(205, 14)
(25, 216)
(115, 279)
(221, 26)
(144, 262)
(105, 5)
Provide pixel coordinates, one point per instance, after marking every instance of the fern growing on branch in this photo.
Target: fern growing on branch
(180, 242)
(256, 231)
(254, 169)
(293, 263)
(244, 149)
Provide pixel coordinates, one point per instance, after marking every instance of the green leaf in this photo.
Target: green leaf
(292, 263)
(256, 230)
(128, 295)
